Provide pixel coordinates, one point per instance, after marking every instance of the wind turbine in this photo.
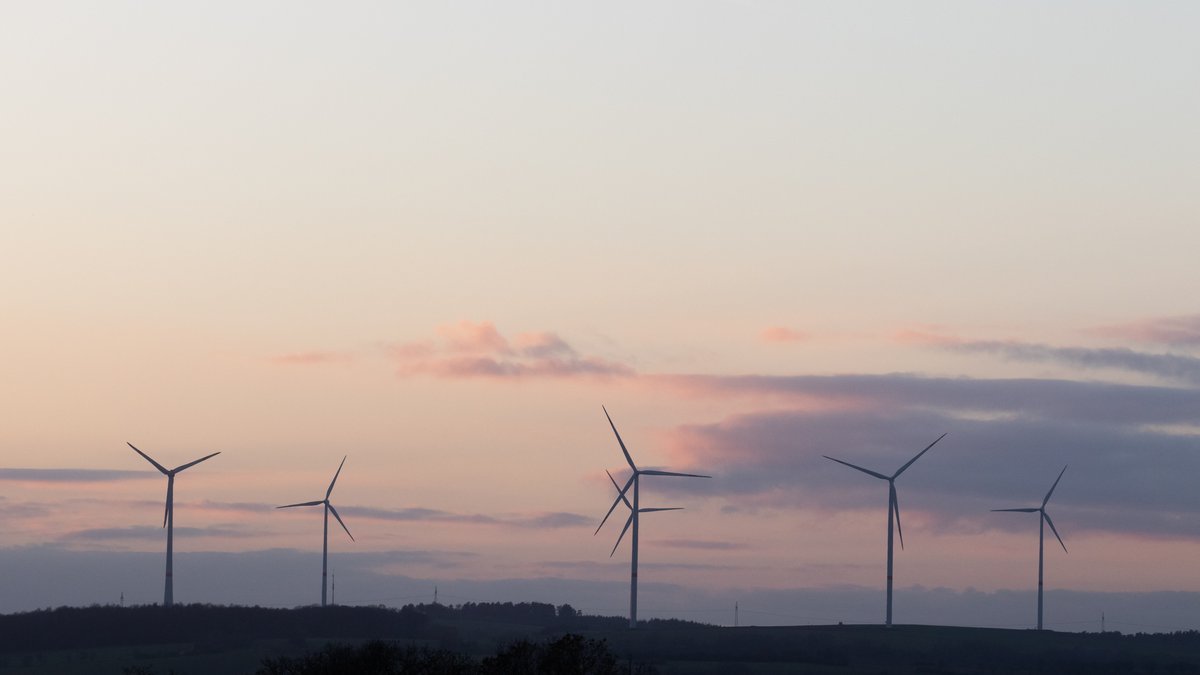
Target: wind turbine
(169, 517)
(634, 511)
(893, 511)
(1042, 522)
(325, 538)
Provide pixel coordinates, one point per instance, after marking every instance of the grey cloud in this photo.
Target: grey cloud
(546, 345)
(421, 514)
(416, 514)
(247, 507)
(700, 544)
(537, 520)
(1185, 369)
(1007, 441)
(556, 519)
(604, 565)
(619, 564)
(22, 510)
(1065, 400)
(72, 475)
(152, 533)
(688, 566)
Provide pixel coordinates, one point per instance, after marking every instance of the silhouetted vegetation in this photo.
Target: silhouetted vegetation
(568, 655)
(373, 658)
(206, 625)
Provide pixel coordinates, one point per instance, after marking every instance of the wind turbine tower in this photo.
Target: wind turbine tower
(893, 512)
(169, 517)
(325, 537)
(635, 510)
(1043, 521)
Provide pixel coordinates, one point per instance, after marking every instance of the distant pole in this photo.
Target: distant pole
(735, 615)
(122, 598)
(1101, 622)
(435, 595)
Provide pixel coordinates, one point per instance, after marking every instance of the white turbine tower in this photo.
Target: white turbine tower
(634, 511)
(169, 517)
(325, 538)
(893, 512)
(1042, 522)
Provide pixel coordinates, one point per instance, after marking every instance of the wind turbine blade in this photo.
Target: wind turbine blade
(189, 464)
(910, 462)
(621, 490)
(625, 529)
(158, 466)
(852, 466)
(339, 519)
(288, 506)
(1060, 475)
(660, 508)
(895, 504)
(623, 449)
(620, 498)
(605, 519)
(170, 491)
(1054, 530)
(335, 477)
(655, 472)
(1018, 510)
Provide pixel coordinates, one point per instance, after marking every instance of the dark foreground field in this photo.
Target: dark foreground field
(198, 639)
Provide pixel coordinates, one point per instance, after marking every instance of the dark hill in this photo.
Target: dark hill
(477, 630)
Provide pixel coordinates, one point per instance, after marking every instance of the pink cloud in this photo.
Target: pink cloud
(542, 344)
(1173, 330)
(930, 335)
(783, 334)
(310, 358)
(473, 338)
(407, 351)
(478, 350)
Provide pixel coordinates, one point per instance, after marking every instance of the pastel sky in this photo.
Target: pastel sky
(436, 238)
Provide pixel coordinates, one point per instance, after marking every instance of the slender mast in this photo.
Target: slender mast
(324, 553)
(1041, 559)
(169, 584)
(634, 560)
(889, 556)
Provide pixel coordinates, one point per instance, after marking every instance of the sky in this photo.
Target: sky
(436, 238)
